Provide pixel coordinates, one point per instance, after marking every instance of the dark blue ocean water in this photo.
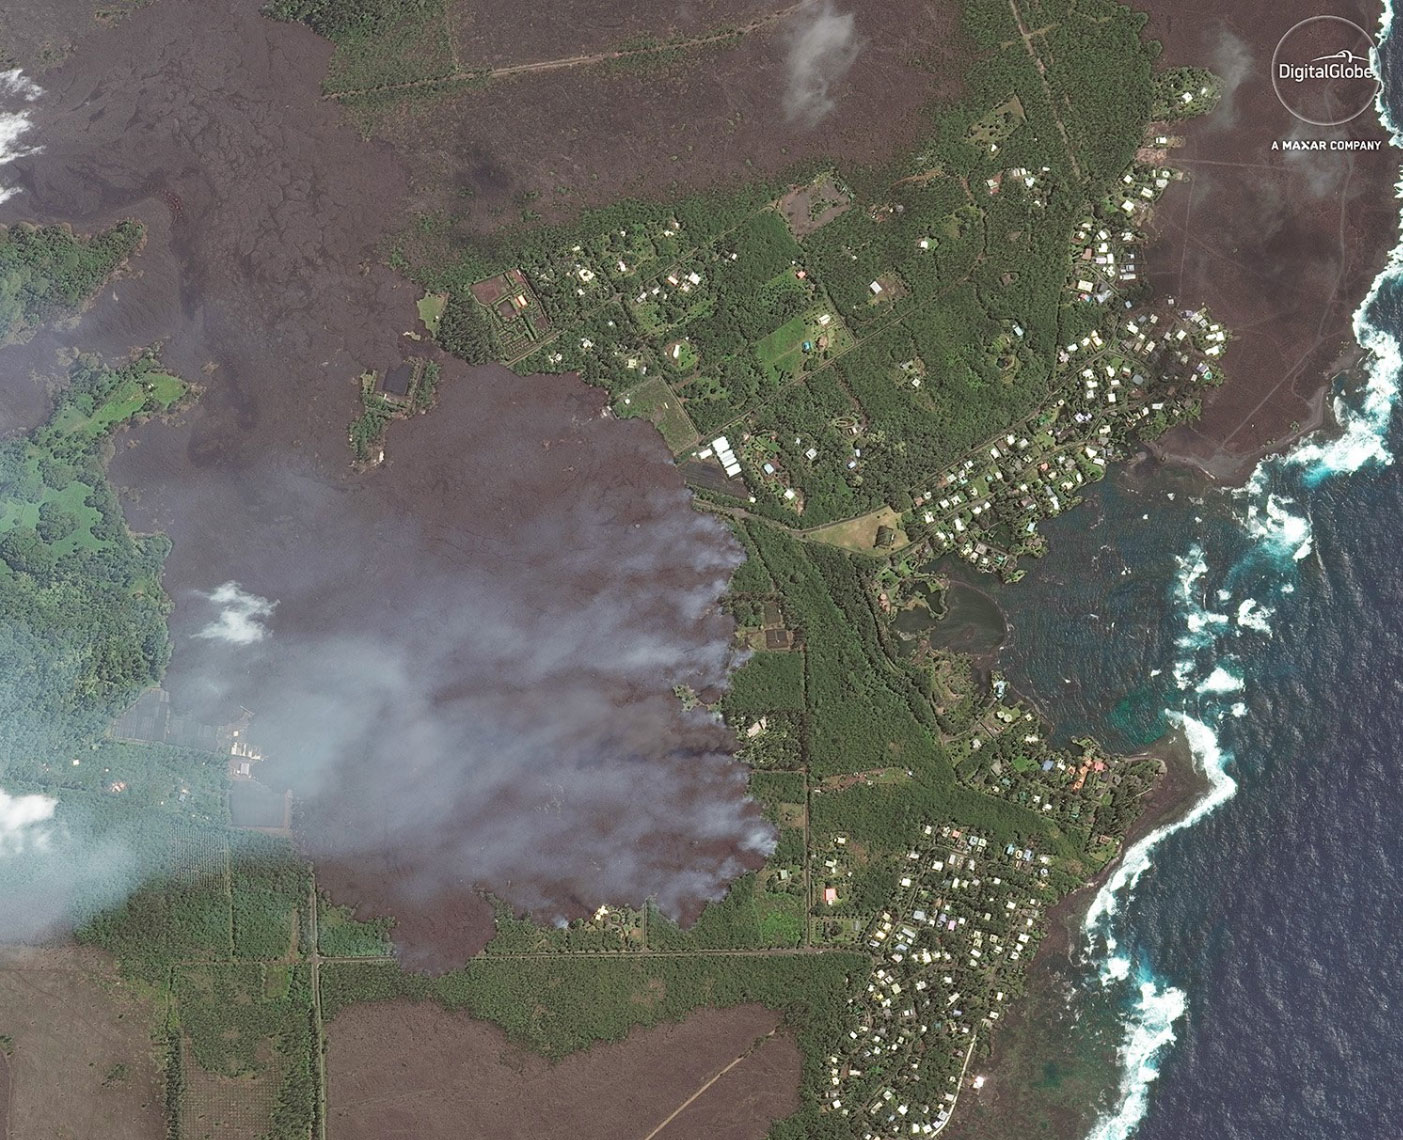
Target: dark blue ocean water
(1256, 951)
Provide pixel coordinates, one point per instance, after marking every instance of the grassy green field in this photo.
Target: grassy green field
(431, 306)
(654, 401)
(782, 353)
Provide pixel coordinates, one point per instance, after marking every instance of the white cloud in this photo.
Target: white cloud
(241, 615)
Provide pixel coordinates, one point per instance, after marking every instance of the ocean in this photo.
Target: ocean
(1253, 947)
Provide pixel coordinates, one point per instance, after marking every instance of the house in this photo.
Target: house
(830, 895)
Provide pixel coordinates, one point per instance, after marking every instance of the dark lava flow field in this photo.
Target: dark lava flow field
(1281, 245)
(468, 671)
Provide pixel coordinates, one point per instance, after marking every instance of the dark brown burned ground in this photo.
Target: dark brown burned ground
(401, 1070)
(487, 35)
(81, 1063)
(470, 665)
(1282, 246)
(568, 137)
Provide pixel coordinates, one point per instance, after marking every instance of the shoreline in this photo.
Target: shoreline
(1226, 469)
(1182, 783)
(1048, 1024)
(1279, 246)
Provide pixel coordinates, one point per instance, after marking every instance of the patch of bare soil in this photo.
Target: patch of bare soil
(401, 1069)
(1281, 245)
(82, 1056)
(808, 208)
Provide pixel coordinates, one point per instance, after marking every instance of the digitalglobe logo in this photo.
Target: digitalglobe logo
(1323, 71)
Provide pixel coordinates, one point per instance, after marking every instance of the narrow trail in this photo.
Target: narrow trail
(681, 1108)
(1027, 38)
(315, 958)
(488, 74)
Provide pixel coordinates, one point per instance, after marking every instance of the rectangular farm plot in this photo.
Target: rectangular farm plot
(654, 400)
(218, 1107)
(516, 311)
(242, 1031)
(803, 343)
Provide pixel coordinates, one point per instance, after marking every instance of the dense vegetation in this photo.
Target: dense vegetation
(345, 19)
(46, 271)
(216, 926)
(713, 294)
(852, 365)
(465, 331)
(82, 613)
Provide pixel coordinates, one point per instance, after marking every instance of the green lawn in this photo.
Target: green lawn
(654, 400)
(781, 918)
(782, 355)
(126, 401)
(431, 306)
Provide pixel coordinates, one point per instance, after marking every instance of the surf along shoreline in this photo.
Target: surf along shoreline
(1267, 407)
(1281, 245)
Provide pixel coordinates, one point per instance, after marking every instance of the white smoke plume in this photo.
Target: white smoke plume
(241, 615)
(823, 45)
(1233, 62)
(485, 697)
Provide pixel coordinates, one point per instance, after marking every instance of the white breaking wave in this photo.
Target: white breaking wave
(1203, 742)
(1219, 681)
(1152, 1032)
(15, 92)
(1268, 517)
(1251, 614)
(241, 616)
(24, 822)
(1281, 534)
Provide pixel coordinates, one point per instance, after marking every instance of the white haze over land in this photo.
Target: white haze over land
(518, 730)
(823, 45)
(1232, 61)
(15, 93)
(241, 616)
(1281, 535)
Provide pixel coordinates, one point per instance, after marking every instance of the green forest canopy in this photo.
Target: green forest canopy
(48, 270)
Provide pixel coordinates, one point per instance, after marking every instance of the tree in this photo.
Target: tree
(55, 523)
(465, 331)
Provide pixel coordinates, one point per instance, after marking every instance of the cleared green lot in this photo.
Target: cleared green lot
(654, 401)
(783, 354)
